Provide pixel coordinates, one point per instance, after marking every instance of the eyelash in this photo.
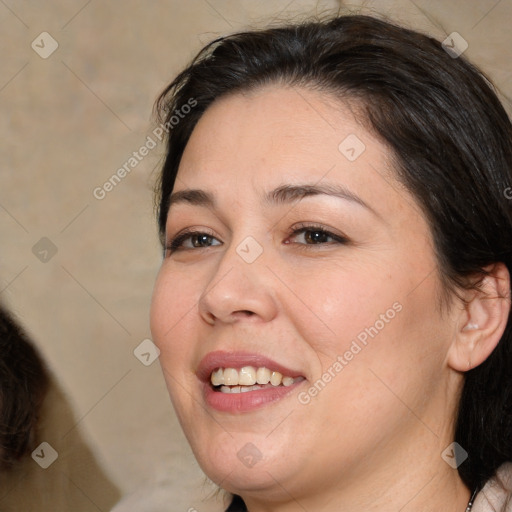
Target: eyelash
(175, 243)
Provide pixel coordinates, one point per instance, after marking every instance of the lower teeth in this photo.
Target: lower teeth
(244, 389)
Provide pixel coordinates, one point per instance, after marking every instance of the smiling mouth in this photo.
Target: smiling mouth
(249, 378)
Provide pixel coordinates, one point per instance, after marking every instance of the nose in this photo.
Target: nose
(238, 290)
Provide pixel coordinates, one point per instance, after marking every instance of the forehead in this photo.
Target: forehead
(273, 122)
(247, 143)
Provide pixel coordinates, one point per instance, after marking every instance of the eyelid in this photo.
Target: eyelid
(173, 244)
(316, 226)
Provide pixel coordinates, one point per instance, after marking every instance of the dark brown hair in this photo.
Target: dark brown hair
(23, 385)
(451, 142)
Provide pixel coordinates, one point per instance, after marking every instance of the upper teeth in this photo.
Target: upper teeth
(248, 376)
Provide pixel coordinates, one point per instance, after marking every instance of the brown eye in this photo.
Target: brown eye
(191, 240)
(316, 235)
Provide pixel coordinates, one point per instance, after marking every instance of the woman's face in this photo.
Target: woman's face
(336, 289)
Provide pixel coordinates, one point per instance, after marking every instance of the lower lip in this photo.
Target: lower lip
(248, 401)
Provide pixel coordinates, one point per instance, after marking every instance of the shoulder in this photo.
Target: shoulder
(496, 495)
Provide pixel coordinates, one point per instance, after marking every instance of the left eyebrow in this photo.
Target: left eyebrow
(289, 193)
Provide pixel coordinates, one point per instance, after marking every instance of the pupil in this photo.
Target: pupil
(316, 236)
(200, 239)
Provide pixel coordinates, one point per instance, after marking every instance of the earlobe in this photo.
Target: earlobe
(483, 320)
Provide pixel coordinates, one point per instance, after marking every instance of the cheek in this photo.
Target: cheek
(364, 386)
(396, 344)
(334, 306)
(174, 299)
(377, 316)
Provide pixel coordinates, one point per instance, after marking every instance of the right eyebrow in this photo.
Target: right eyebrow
(192, 196)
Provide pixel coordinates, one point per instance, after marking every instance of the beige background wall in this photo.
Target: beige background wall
(67, 123)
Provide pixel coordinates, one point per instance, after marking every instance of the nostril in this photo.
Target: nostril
(210, 318)
(247, 312)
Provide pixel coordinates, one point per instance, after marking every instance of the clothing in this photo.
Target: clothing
(237, 505)
(496, 495)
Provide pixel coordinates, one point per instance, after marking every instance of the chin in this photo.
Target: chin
(244, 481)
(237, 465)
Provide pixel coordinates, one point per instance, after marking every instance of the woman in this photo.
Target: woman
(333, 307)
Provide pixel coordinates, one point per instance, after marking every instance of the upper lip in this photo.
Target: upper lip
(222, 359)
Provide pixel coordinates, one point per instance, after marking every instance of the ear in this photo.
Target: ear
(483, 320)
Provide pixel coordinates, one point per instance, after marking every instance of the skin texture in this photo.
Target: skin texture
(372, 438)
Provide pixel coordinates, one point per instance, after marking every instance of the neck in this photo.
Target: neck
(426, 492)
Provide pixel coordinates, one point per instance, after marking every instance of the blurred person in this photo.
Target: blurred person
(34, 409)
(23, 386)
